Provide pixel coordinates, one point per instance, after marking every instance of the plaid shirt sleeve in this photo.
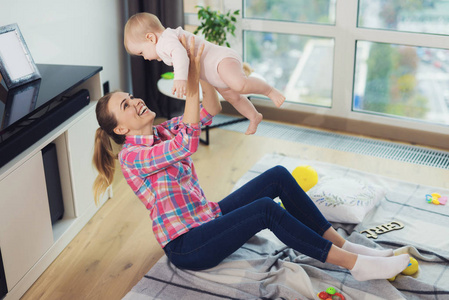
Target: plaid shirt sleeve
(205, 117)
(148, 160)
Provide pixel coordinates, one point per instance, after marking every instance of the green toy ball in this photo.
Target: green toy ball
(306, 176)
(168, 75)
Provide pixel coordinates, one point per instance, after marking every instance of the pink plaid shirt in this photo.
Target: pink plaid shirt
(160, 171)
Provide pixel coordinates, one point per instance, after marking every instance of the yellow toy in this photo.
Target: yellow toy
(306, 176)
(411, 269)
(436, 199)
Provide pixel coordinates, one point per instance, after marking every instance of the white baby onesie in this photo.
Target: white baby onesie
(172, 53)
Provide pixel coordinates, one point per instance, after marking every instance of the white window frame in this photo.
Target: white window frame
(345, 34)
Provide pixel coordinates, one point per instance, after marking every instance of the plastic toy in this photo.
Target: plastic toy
(323, 295)
(330, 294)
(392, 278)
(411, 269)
(306, 176)
(436, 199)
(168, 75)
(280, 203)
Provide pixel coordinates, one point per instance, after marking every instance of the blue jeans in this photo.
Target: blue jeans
(247, 211)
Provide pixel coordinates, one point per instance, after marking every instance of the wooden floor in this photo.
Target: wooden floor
(117, 247)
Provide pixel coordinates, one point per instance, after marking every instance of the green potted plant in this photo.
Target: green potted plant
(215, 25)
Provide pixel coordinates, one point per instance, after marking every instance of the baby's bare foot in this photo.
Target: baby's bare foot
(253, 123)
(276, 96)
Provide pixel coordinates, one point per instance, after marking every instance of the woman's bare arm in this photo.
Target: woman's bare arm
(192, 107)
(210, 98)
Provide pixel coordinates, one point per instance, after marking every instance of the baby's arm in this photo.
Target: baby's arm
(181, 70)
(179, 88)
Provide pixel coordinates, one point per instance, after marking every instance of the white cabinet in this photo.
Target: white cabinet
(29, 242)
(80, 142)
(25, 225)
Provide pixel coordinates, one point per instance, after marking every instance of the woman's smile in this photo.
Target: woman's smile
(133, 116)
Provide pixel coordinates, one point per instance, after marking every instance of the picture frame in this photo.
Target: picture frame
(17, 66)
(19, 103)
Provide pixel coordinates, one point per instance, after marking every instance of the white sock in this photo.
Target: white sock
(370, 267)
(360, 249)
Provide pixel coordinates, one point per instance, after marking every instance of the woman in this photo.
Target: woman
(195, 233)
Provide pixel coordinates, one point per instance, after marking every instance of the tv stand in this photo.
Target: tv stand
(29, 242)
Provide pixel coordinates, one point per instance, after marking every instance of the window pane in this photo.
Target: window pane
(404, 81)
(189, 8)
(428, 16)
(189, 5)
(299, 66)
(307, 11)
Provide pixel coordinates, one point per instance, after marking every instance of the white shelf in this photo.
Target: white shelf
(28, 241)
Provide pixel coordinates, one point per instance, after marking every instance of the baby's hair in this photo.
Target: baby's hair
(139, 25)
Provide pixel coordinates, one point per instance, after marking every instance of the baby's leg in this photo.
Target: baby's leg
(244, 107)
(231, 72)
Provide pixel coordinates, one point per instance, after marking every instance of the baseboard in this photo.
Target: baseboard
(357, 127)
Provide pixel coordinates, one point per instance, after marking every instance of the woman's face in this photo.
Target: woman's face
(132, 115)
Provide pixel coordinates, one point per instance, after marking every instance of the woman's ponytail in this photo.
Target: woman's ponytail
(103, 161)
(104, 158)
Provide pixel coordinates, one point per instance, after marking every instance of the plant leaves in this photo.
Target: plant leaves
(214, 25)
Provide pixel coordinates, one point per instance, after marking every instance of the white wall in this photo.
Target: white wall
(72, 32)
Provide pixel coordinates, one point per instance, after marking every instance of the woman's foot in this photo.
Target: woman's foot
(276, 96)
(360, 249)
(253, 123)
(371, 267)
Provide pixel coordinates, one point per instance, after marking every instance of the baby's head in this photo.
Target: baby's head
(141, 33)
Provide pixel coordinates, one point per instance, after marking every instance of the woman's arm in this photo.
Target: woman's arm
(146, 160)
(192, 107)
(210, 98)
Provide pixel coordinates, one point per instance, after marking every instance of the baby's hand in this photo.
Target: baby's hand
(179, 88)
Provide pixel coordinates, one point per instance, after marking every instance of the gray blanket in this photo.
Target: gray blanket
(264, 268)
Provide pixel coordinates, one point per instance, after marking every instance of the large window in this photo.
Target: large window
(385, 62)
(401, 81)
(305, 11)
(300, 66)
(421, 16)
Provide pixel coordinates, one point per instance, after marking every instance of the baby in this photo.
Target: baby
(220, 66)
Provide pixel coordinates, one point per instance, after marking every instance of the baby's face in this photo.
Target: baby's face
(146, 49)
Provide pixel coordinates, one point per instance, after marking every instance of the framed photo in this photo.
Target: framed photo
(16, 64)
(19, 103)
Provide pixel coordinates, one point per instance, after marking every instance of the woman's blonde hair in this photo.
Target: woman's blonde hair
(139, 25)
(104, 158)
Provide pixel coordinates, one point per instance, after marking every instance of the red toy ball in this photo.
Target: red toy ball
(338, 296)
(326, 296)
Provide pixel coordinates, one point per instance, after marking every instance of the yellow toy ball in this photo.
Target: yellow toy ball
(306, 176)
(392, 278)
(412, 267)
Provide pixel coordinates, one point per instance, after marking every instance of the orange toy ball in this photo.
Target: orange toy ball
(306, 176)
